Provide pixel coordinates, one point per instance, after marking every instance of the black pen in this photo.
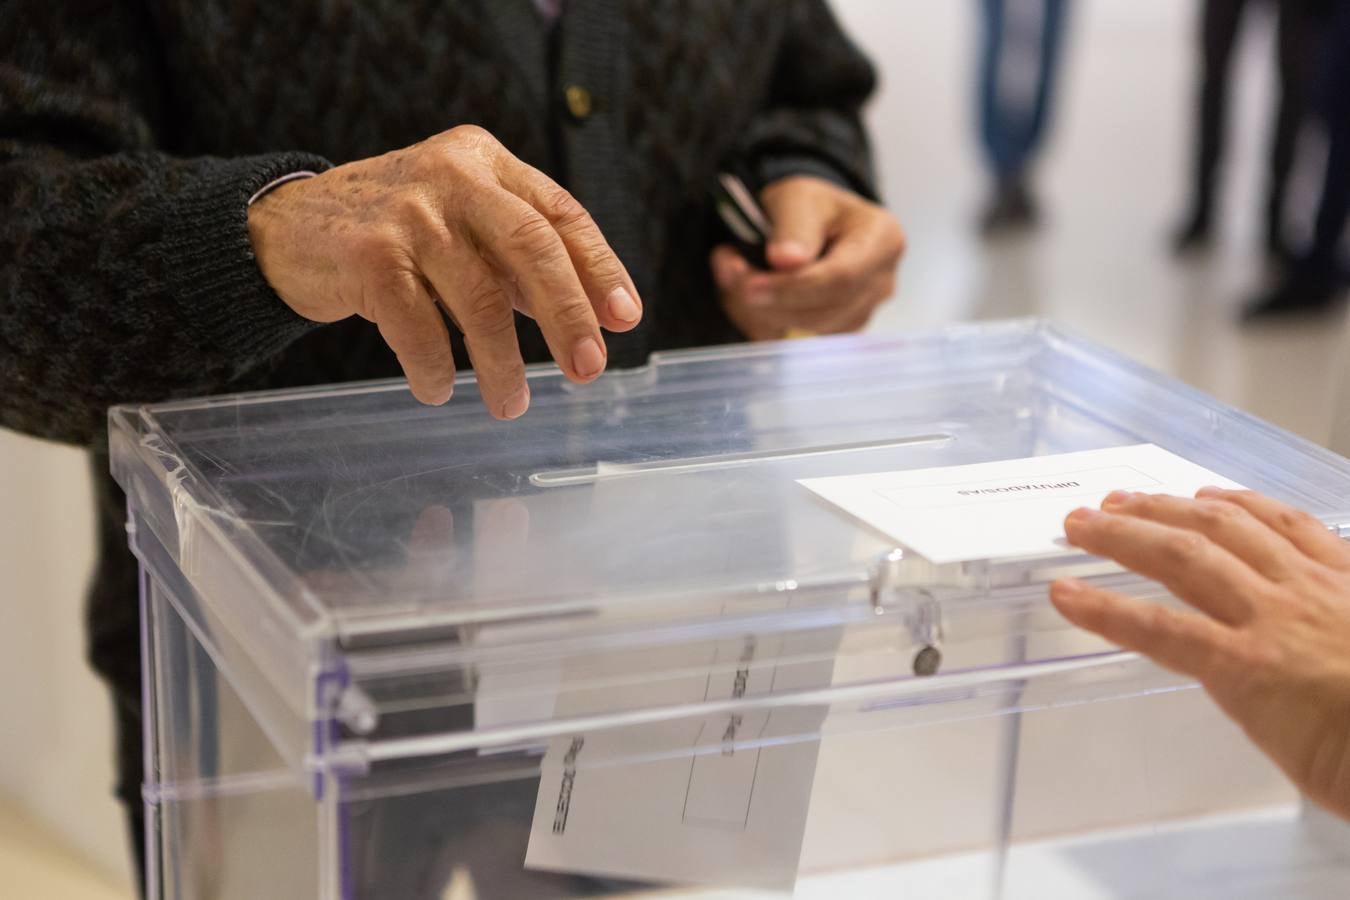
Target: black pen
(749, 228)
(744, 219)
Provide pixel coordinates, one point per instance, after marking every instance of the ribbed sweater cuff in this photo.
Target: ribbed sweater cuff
(772, 166)
(211, 270)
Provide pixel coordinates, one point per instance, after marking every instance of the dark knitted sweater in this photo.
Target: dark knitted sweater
(132, 134)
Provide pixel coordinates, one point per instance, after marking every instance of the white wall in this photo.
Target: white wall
(55, 717)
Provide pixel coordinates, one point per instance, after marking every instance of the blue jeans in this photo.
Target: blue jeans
(1018, 64)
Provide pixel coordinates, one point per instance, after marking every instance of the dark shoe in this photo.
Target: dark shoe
(1011, 208)
(1301, 293)
(1193, 236)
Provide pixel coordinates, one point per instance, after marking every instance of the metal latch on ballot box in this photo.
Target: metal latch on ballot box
(913, 588)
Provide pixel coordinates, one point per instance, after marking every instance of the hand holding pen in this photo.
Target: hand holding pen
(829, 258)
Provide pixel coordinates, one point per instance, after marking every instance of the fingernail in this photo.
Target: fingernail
(622, 306)
(1066, 588)
(1116, 498)
(1084, 514)
(794, 249)
(587, 358)
(1210, 491)
(517, 403)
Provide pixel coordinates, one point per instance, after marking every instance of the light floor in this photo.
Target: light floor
(38, 865)
(1112, 183)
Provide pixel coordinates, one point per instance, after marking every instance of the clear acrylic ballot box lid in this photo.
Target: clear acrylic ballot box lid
(389, 588)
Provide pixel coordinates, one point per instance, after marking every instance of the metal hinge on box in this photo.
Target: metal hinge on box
(914, 589)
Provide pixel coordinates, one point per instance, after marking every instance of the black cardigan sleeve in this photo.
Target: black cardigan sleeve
(126, 273)
(811, 121)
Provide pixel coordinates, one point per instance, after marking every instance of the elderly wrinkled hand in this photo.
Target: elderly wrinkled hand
(457, 224)
(1268, 631)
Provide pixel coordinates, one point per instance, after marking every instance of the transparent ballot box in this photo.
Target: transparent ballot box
(616, 649)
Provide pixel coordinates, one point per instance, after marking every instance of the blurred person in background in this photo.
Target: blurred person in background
(212, 197)
(1299, 30)
(1316, 278)
(1020, 55)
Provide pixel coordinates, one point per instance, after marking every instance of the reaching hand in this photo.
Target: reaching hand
(454, 222)
(1269, 636)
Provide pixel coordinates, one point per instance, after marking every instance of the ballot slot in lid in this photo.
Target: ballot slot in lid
(395, 553)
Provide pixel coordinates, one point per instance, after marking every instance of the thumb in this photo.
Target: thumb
(799, 217)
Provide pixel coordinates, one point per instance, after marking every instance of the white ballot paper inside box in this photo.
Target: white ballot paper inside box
(717, 800)
(1005, 509)
(723, 799)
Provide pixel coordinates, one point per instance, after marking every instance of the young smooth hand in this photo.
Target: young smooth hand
(1268, 634)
